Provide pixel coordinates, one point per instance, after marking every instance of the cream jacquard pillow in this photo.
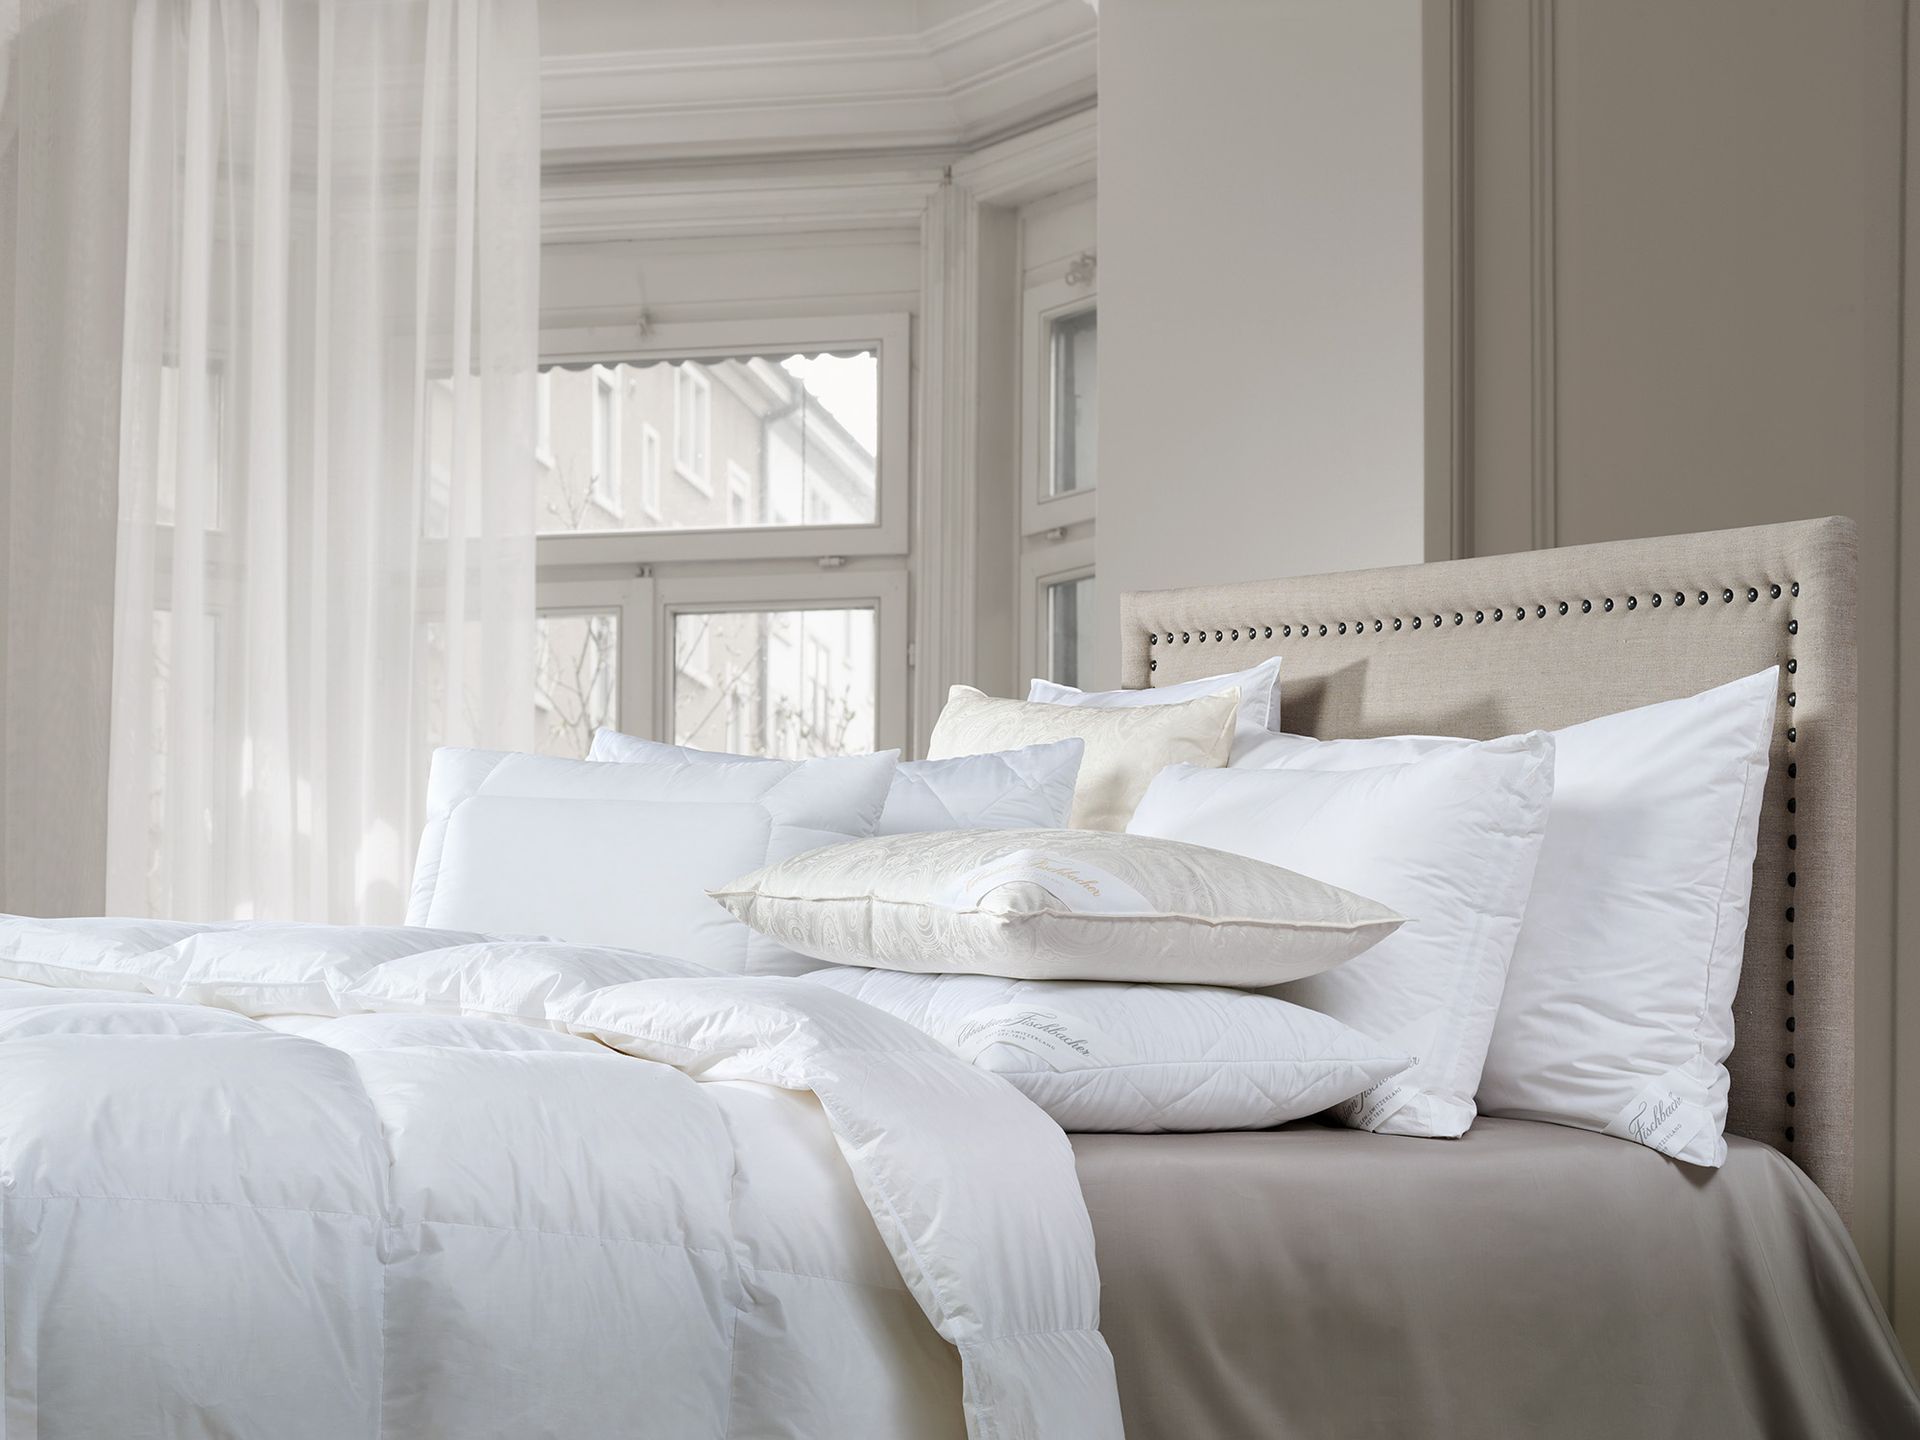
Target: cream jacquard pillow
(1057, 905)
(1125, 748)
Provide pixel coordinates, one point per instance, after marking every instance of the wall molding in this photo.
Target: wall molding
(956, 85)
(1448, 208)
(1545, 262)
(944, 521)
(621, 204)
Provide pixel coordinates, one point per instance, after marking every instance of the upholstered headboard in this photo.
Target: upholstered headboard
(1547, 638)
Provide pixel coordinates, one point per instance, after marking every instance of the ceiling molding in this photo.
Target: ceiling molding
(988, 71)
(1042, 161)
(736, 200)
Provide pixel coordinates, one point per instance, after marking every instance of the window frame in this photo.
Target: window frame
(1041, 306)
(888, 335)
(606, 486)
(882, 591)
(651, 469)
(1052, 565)
(631, 600)
(695, 467)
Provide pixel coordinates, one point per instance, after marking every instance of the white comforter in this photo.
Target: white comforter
(716, 1208)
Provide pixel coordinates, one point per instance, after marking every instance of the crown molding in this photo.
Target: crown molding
(624, 204)
(989, 71)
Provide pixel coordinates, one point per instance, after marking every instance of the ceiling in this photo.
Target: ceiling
(640, 81)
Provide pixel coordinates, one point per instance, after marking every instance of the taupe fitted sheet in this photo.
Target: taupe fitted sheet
(1527, 1280)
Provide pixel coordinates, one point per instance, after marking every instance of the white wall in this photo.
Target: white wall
(1261, 292)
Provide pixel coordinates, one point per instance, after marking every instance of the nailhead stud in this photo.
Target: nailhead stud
(1795, 588)
(1586, 607)
(1773, 591)
(1609, 604)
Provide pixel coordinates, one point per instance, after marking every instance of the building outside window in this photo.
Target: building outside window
(702, 614)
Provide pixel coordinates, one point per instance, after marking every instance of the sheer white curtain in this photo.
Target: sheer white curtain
(325, 546)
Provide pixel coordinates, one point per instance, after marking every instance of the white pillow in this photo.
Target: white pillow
(1259, 688)
(622, 855)
(1618, 1014)
(520, 980)
(1125, 749)
(1451, 842)
(1010, 790)
(1144, 1058)
(1056, 905)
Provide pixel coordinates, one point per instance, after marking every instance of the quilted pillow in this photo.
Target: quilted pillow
(1143, 1058)
(622, 855)
(1057, 905)
(1007, 790)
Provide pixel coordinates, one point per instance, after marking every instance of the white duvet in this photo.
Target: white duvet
(713, 1207)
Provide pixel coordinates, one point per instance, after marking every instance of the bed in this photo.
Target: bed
(373, 1183)
(1529, 1279)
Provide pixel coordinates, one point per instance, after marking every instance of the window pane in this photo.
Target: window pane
(746, 441)
(791, 683)
(1069, 630)
(576, 679)
(1076, 410)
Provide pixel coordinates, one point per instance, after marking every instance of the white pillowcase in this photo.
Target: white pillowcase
(1008, 790)
(1143, 1058)
(524, 980)
(623, 854)
(1618, 1013)
(1259, 688)
(1125, 748)
(1449, 841)
(1056, 905)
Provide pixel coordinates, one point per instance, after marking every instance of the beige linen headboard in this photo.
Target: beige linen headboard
(1547, 638)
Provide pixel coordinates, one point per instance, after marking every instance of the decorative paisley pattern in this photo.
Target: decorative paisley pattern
(1125, 748)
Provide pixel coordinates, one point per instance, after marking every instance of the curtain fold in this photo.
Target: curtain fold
(63, 189)
(324, 545)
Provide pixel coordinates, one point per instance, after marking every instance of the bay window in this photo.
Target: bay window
(755, 598)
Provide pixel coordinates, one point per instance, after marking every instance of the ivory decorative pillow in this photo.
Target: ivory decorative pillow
(1259, 687)
(1125, 748)
(1056, 905)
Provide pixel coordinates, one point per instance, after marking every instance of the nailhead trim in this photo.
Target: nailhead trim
(1654, 602)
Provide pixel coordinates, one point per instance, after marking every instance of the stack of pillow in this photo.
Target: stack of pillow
(1151, 910)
